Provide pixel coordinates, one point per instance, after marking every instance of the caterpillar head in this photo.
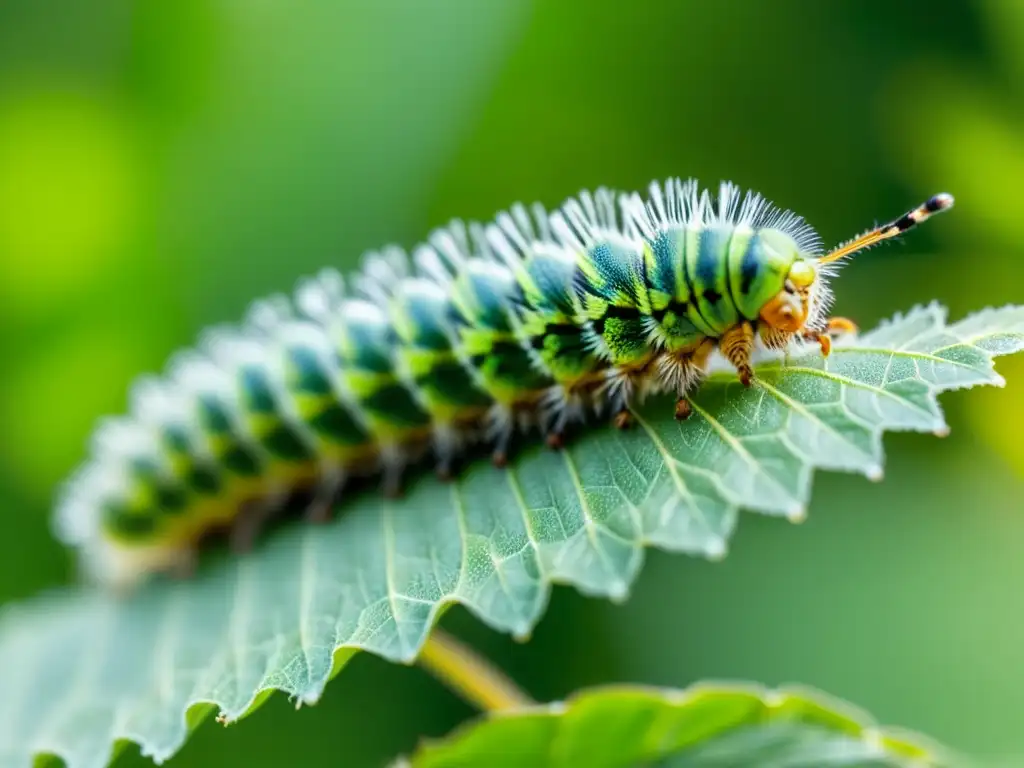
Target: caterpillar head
(791, 307)
(803, 298)
(778, 279)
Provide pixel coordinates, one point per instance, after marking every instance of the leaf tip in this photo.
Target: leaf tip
(522, 634)
(874, 473)
(797, 514)
(942, 431)
(716, 550)
(618, 592)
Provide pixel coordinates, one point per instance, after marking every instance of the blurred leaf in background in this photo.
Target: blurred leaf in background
(162, 164)
(970, 135)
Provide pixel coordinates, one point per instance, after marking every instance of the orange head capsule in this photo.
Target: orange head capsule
(788, 309)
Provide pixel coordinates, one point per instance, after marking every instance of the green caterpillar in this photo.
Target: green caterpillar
(530, 322)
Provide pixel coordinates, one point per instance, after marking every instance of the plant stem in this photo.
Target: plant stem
(469, 675)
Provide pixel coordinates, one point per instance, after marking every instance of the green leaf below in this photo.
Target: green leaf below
(705, 726)
(81, 671)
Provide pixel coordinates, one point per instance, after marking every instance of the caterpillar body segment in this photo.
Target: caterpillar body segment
(531, 321)
(547, 319)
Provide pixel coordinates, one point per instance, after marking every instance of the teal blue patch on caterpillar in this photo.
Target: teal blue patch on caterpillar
(150, 480)
(709, 268)
(664, 261)
(307, 376)
(214, 415)
(669, 290)
(263, 411)
(761, 269)
(176, 439)
(367, 344)
(612, 271)
(484, 297)
(693, 236)
(422, 319)
(423, 316)
(226, 445)
(317, 404)
(193, 471)
(257, 393)
(366, 348)
(550, 282)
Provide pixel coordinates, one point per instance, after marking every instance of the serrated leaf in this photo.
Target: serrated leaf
(705, 726)
(80, 670)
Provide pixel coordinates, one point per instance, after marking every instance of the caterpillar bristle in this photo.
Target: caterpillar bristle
(531, 323)
(317, 297)
(382, 272)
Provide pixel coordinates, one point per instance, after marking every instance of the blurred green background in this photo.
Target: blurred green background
(163, 163)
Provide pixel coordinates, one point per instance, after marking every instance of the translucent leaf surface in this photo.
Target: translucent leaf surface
(80, 670)
(706, 726)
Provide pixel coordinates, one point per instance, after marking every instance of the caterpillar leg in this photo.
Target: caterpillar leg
(501, 434)
(391, 462)
(623, 419)
(443, 470)
(555, 441)
(447, 465)
(554, 420)
(626, 386)
(837, 326)
(446, 442)
(823, 339)
(325, 493)
(775, 338)
(737, 344)
(499, 456)
(562, 406)
(391, 481)
(252, 517)
(185, 564)
(392, 485)
(682, 371)
(683, 409)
